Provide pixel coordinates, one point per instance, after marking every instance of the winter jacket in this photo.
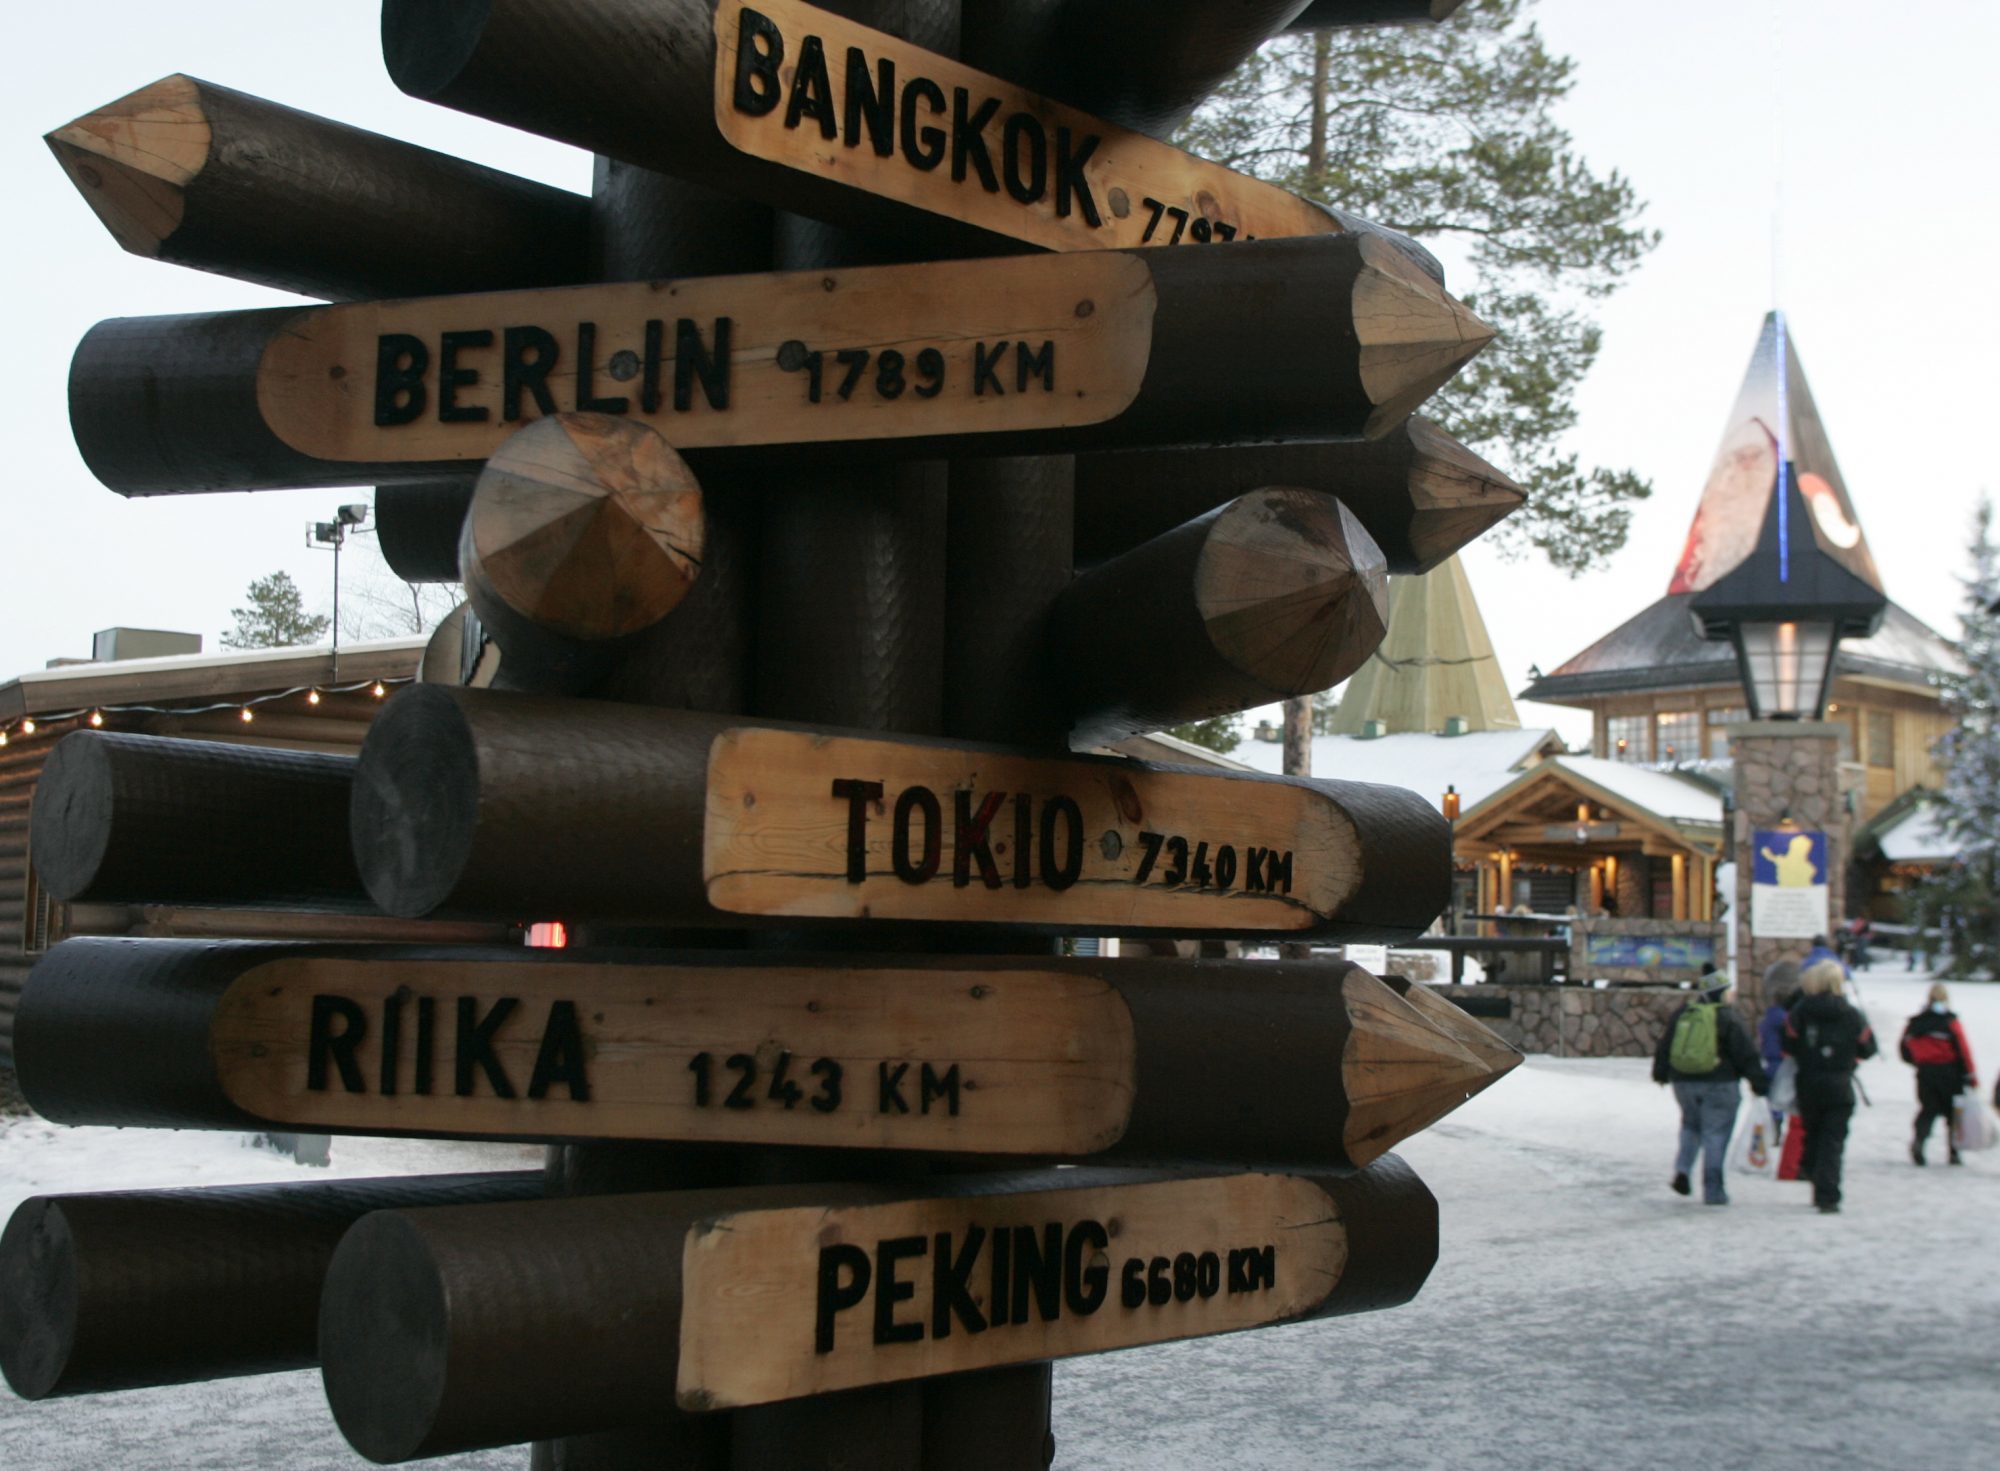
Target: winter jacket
(1820, 952)
(1736, 1054)
(1827, 1035)
(1771, 1038)
(1935, 1039)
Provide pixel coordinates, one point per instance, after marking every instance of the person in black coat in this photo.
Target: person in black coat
(1828, 1037)
(1934, 1044)
(1709, 1099)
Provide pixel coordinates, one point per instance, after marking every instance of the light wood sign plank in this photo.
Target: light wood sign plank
(802, 87)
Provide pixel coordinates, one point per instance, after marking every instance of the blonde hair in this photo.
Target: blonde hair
(1822, 978)
(1938, 993)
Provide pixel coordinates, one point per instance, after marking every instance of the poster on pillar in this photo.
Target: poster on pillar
(1788, 884)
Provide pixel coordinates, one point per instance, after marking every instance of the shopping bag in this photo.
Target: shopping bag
(1795, 1146)
(1754, 1151)
(1971, 1123)
(1785, 1087)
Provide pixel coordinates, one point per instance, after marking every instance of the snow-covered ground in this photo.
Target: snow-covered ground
(1580, 1314)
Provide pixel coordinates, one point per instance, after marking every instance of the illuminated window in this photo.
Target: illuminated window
(1718, 737)
(1881, 738)
(1677, 736)
(1628, 738)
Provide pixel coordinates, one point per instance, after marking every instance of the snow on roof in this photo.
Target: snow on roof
(1478, 763)
(244, 659)
(1917, 837)
(1662, 793)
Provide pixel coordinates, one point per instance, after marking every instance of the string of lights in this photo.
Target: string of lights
(246, 709)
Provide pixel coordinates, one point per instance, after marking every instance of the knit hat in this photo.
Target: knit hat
(1713, 987)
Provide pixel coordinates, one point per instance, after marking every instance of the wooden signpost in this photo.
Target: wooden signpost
(1279, 340)
(985, 1055)
(483, 803)
(729, 1298)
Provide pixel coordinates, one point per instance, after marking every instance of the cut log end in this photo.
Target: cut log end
(382, 1287)
(1292, 589)
(416, 802)
(131, 159)
(1414, 335)
(38, 1295)
(587, 525)
(1455, 496)
(1404, 1070)
(427, 43)
(70, 825)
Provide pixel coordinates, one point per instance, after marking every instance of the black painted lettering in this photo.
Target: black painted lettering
(968, 139)
(971, 838)
(654, 356)
(426, 1044)
(1041, 363)
(1261, 1266)
(451, 377)
(1060, 872)
(1038, 1268)
(1278, 871)
(1208, 1274)
(587, 400)
(474, 1046)
(1086, 1278)
(693, 360)
(521, 372)
(1070, 181)
(889, 1088)
(834, 1296)
(760, 47)
(1132, 1283)
(859, 794)
(1003, 1275)
(986, 367)
(951, 1296)
(914, 800)
(1024, 157)
(891, 1290)
(870, 101)
(1024, 839)
(1253, 870)
(1159, 1291)
(923, 147)
(812, 90)
(392, 1037)
(931, 1087)
(560, 1057)
(400, 364)
(324, 1044)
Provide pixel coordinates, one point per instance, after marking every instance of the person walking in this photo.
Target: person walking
(1828, 1037)
(1781, 985)
(1704, 1051)
(1934, 1044)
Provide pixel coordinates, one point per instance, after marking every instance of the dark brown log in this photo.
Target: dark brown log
(584, 529)
(137, 1288)
(417, 527)
(485, 803)
(132, 819)
(1321, 14)
(420, 1356)
(1138, 1061)
(1278, 339)
(203, 176)
(1420, 493)
(1277, 594)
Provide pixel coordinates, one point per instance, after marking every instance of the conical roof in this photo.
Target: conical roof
(1774, 420)
(1436, 662)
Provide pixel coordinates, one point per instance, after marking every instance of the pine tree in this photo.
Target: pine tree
(276, 617)
(1446, 133)
(1220, 733)
(1964, 897)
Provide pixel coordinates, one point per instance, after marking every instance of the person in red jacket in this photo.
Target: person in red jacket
(1934, 1044)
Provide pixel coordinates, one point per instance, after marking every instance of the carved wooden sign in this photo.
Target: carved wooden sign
(880, 353)
(871, 1294)
(802, 87)
(840, 826)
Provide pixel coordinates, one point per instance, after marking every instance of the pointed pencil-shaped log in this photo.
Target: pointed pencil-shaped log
(480, 802)
(418, 526)
(1497, 1056)
(203, 176)
(1281, 339)
(804, 109)
(584, 528)
(1279, 593)
(1420, 493)
(1130, 1060)
(852, 1285)
(132, 1289)
(134, 819)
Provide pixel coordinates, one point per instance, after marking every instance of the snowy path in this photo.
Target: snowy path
(1580, 1316)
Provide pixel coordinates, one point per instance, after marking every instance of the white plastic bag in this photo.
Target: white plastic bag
(1971, 1122)
(1754, 1150)
(1785, 1087)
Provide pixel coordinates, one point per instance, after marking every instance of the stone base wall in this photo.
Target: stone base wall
(1580, 1021)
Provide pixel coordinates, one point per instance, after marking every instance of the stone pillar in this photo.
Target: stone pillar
(1786, 770)
(1635, 883)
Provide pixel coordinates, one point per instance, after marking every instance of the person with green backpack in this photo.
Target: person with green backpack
(1704, 1052)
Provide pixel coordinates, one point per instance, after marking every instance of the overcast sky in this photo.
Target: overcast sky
(1879, 122)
